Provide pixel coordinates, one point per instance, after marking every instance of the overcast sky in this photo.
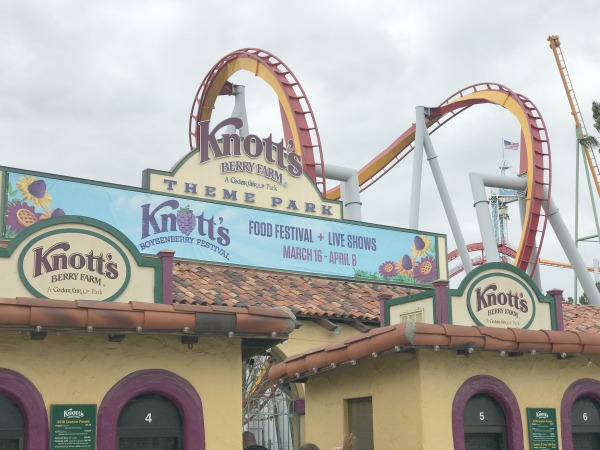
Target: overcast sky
(103, 90)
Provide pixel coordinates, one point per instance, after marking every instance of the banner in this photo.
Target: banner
(226, 234)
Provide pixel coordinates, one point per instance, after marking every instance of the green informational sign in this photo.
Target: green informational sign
(542, 428)
(72, 427)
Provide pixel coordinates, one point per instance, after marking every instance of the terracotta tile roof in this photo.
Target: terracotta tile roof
(410, 336)
(304, 295)
(41, 315)
(584, 318)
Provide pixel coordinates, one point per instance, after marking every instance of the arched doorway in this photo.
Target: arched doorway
(12, 426)
(585, 417)
(143, 385)
(484, 424)
(149, 422)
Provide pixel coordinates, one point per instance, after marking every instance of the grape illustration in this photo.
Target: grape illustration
(58, 212)
(37, 188)
(186, 220)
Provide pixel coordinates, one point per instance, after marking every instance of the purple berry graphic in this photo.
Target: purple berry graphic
(37, 188)
(407, 263)
(419, 243)
(186, 220)
(58, 212)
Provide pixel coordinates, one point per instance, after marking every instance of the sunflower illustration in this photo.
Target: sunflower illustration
(405, 266)
(426, 270)
(388, 269)
(421, 246)
(34, 190)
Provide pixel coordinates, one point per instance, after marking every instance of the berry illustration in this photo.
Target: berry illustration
(58, 212)
(419, 243)
(37, 188)
(186, 220)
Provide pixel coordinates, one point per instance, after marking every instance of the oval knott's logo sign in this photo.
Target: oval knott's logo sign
(501, 301)
(74, 264)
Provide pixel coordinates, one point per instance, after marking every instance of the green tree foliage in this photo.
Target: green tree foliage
(583, 300)
(592, 141)
(596, 115)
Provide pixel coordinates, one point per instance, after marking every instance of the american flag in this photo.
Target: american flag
(510, 145)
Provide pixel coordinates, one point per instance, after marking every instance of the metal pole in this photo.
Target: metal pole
(570, 249)
(415, 196)
(578, 132)
(239, 111)
(589, 182)
(445, 197)
(486, 228)
(349, 189)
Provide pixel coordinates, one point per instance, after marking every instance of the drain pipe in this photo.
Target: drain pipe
(349, 189)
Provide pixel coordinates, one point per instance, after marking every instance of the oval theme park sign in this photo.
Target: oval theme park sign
(73, 264)
(505, 302)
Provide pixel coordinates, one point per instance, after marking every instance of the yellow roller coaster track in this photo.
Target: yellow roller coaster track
(579, 124)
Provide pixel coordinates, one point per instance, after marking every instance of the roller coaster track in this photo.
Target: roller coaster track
(506, 251)
(535, 150)
(575, 111)
(298, 120)
(300, 126)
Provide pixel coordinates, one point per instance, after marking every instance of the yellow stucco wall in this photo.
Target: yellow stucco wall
(412, 395)
(396, 415)
(538, 381)
(81, 368)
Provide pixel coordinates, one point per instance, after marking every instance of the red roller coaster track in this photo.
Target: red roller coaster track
(298, 120)
(300, 126)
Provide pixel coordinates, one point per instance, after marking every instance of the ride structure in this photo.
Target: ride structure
(300, 128)
(592, 171)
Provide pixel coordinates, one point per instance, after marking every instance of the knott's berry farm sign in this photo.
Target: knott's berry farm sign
(72, 258)
(493, 295)
(506, 301)
(250, 171)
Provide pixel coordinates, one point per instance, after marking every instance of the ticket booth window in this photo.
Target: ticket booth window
(360, 421)
(585, 420)
(11, 425)
(484, 424)
(149, 422)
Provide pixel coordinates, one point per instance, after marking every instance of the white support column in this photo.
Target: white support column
(239, 110)
(415, 194)
(486, 228)
(566, 241)
(349, 189)
(447, 203)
